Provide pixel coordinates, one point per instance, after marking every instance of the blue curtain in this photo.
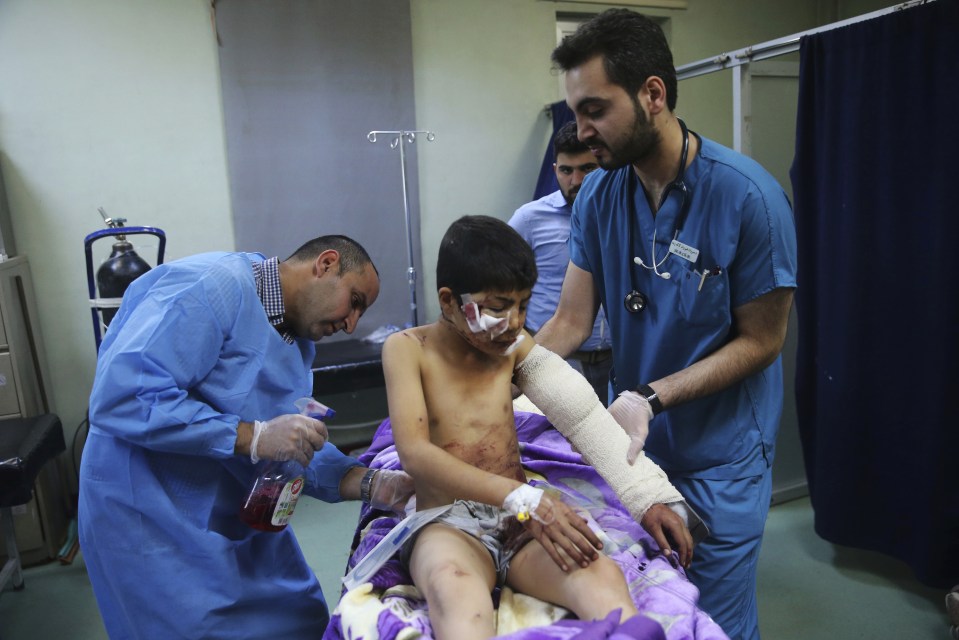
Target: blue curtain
(546, 184)
(877, 382)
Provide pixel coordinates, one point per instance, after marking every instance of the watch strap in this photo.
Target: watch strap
(366, 485)
(654, 402)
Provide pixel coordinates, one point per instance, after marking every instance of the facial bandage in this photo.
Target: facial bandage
(485, 323)
(570, 403)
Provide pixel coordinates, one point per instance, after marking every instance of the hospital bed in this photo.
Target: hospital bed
(389, 607)
(348, 376)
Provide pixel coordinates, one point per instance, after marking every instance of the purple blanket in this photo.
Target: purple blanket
(392, 609)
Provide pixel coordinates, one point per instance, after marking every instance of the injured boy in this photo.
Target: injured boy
(450, 404)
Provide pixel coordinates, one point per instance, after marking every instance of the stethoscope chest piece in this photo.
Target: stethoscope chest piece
(635, 301)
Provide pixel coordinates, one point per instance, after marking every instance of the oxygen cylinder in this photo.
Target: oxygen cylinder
(117, 272)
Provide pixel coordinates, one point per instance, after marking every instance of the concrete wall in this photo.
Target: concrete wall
(482, 75)
(116, 103)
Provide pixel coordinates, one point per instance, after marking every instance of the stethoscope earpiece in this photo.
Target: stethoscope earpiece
(665, 275)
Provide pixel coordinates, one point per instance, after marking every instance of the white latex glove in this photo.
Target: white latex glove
(633, 413)
(391, 490)
(287, 437)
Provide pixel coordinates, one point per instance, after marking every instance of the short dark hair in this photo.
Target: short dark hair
(565, 140)
(353, 257)
(482, 253)
(633, 47)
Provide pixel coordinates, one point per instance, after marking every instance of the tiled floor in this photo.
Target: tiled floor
(808, 589)
(811, 589)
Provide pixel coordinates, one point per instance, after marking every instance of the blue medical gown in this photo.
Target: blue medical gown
(190, 354)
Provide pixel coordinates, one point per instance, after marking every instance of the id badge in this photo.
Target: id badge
(684, 251)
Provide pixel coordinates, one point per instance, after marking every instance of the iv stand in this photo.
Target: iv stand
(400, 139)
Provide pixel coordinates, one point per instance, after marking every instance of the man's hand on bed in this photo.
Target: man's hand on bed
(664, 525)
(564, 534)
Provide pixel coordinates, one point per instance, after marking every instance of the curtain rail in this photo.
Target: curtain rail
(777, 47)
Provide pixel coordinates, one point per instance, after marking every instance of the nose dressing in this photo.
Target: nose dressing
(483, 323)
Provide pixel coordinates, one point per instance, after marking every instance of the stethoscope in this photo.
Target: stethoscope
(636, 300)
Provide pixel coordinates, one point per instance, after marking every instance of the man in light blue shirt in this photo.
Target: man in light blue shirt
(544, 224)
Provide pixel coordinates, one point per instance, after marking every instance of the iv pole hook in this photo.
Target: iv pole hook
(400, 139)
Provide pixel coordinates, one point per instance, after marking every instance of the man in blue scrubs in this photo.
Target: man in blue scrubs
(544, 224)
(690, 247)
(197, 376)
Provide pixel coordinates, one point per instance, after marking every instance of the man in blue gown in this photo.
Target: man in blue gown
(196, 378)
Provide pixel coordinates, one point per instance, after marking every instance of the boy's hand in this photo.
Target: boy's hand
(664, 524)
(564, 534)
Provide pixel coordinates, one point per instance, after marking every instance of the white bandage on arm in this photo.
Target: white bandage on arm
(571, 405)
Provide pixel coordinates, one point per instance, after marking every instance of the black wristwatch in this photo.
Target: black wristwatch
(654, 402)
(366, 484)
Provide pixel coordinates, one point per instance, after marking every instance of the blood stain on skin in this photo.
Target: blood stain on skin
(419, 338)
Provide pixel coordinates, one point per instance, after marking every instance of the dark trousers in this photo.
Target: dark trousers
(595, 366)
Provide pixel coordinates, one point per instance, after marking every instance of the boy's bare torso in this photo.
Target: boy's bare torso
(469, 403)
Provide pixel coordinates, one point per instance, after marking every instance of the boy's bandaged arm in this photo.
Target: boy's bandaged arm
(570, 404)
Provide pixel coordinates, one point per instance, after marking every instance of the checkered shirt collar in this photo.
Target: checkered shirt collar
(267, 277)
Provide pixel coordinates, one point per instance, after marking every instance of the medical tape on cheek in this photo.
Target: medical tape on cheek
(571, 405)
(482, 322)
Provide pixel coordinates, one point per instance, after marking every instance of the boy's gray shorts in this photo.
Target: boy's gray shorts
(502, 534)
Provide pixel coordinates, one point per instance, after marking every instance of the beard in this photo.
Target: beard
(638, 144)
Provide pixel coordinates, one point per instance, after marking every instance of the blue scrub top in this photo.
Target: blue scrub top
(741, 221)
(190, 354)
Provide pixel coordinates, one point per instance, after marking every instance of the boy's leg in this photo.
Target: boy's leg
(455, 573)
(591, 593)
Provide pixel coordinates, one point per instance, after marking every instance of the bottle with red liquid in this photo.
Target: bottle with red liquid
(271, 500)
(270, 503)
